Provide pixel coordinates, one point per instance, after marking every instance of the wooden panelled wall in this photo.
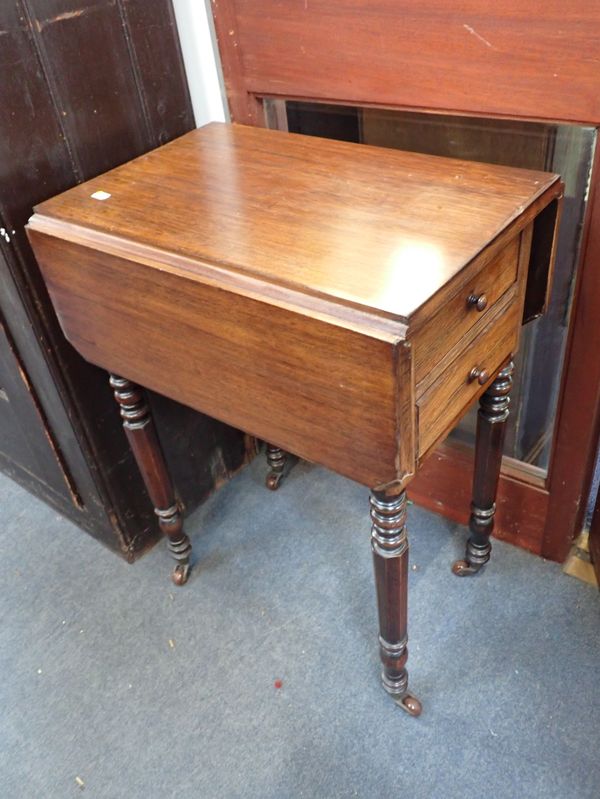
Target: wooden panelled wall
(85, 86)
(528, 60)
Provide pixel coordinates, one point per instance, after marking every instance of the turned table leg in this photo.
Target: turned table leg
(491, 428)
(390, 559)
(142, 437)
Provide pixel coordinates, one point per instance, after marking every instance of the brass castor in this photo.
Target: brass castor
(181, 573)
(411, 704)
(272, 480)
(462, 568)
(277, 462)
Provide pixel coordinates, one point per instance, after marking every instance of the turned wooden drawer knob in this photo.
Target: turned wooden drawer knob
(481, 375)
(477, 301)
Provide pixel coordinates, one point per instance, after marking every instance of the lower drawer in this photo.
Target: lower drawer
(442, 405)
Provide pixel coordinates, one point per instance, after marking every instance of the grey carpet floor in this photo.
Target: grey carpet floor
(114, 678)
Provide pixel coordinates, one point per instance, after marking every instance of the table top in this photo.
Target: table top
(373, 228)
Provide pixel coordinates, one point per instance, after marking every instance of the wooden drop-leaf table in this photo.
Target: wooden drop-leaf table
(345, 303)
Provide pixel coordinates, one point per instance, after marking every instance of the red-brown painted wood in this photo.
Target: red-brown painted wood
(578, 415)
(443, 485)
(536, 60)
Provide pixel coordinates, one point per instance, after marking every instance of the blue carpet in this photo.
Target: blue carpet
(114, 677)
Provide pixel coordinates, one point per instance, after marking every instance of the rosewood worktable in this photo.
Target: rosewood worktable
(344, 303)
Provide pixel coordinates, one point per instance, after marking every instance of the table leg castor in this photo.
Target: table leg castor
(410, 704)
(180, 548)
(276, 459)
(477, 554)
(463, 568)
(180, 573)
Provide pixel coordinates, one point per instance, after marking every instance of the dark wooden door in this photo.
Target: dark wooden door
(29, 451)
(85, 86)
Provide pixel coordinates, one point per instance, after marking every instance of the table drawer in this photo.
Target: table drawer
(440, 407)
(462, 311)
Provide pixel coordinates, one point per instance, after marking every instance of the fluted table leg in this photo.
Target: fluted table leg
(141, 434)
(491, 429)
(390, 559)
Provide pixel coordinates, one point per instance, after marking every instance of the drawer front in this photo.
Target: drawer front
(445, 402)
(463, 310)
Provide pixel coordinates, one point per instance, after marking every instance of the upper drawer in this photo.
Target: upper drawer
(470, 303)
(444, 402)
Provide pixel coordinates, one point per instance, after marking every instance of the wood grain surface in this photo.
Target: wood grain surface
(533, 59)
(367, 227)
(318, 390)
(287, 285)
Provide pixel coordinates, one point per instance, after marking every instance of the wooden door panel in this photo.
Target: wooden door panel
(511, 58)
(25, 438)
(38, 163)
(63, 33)
(151, 32)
